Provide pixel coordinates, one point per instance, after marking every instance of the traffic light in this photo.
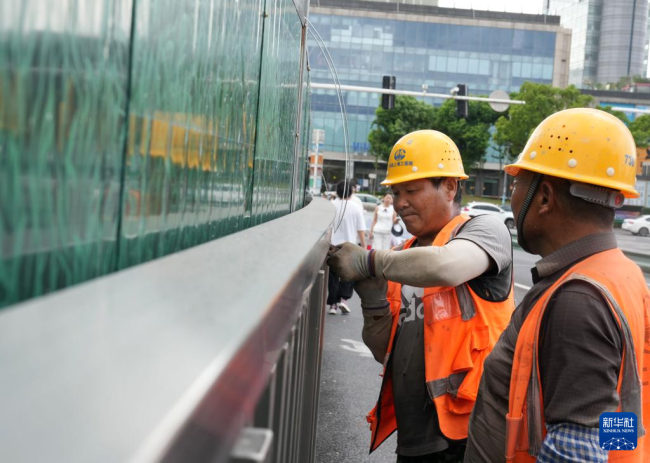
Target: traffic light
(388, 101)
(462, 106)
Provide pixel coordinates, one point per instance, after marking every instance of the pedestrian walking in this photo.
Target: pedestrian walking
(577, 345)
(349, 226)
(382, 223)
(434, 307)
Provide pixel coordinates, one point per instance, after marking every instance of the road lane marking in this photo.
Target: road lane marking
(357, 347)
(520, 286)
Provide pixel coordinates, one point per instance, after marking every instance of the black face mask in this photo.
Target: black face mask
(524, 210)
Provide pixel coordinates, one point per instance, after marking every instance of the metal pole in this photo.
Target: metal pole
(297, 169)
(505, 177)
(424, 93)
(631, 110)
(316, 167)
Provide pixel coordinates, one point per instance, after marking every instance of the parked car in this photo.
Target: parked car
(369, 201)
(475, 208)
(639, 226)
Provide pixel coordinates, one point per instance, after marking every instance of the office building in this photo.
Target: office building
(608, 38)
(422, 45)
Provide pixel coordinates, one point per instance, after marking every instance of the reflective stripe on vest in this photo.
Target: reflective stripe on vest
(448, 385)
(465, 302)
(525, 429)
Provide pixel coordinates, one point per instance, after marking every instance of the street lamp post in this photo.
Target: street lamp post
(505, 175)
(318, 137)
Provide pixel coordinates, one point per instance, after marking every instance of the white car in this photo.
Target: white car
(476, 208)
(369, 202)
(639, 226)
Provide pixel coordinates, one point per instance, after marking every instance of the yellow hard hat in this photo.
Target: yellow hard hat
(584, 145)
(424, 154)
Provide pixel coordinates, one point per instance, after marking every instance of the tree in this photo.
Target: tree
(640, 129)
(390, 125)
(514, 128)
(471, 135)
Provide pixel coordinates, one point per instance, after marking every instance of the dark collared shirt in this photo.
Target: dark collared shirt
(579, 355)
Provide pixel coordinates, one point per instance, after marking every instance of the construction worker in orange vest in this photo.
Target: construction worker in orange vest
(434, 308)
(577, 344)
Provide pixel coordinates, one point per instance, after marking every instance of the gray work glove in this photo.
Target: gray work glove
(349, 262)
(377, 318)
(372, 292)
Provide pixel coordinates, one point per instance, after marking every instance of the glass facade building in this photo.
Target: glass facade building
(410, 2)
(583, 18)
(608, 38)
(435, 51)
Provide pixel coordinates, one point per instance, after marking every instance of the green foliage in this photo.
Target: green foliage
(627, 81)
(514, 128)
(640, 129)
(389, 126)
(624, 83)
(471, 135)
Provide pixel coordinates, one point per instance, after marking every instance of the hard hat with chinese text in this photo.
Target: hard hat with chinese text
(424, 154)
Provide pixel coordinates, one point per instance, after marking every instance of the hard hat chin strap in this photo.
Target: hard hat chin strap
(524, 210)
(597, 195)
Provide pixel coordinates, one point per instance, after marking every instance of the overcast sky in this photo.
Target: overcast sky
(517, 6)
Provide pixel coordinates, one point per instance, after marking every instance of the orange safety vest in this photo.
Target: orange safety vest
(621, 283)
(460, 330)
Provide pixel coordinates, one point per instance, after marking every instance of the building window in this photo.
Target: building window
(470, 186)
(490, 187)
(646, 171)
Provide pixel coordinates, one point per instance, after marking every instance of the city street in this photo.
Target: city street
(173, 176)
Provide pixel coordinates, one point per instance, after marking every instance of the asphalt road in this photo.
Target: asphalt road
(629, 242)
(350, 383)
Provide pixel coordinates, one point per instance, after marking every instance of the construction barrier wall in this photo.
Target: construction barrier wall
(133, 129)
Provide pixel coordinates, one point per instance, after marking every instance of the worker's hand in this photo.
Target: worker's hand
(349, 262)
(372, 292)
(371, 234)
